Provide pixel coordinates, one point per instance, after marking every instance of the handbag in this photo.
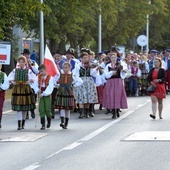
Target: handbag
(151, 89)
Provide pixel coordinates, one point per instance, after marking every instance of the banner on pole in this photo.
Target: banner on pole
(5, 54)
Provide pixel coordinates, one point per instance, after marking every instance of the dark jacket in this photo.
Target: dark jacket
(161, 75)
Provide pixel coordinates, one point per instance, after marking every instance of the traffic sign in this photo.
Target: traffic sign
(142, 40)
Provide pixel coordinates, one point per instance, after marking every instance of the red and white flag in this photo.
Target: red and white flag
(51, 67)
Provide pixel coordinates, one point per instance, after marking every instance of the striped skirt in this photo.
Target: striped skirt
(114, 96)
(65, 98)
(23, 98)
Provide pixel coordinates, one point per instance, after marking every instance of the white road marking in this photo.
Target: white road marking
(32, 167)
(88, 137)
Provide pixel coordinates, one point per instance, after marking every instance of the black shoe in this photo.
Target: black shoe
(62, 122)
(32, 114)
(27, 116)
(66, 123)
(42, 128)
(81, 111)
(42, 123)
(23, 124)
(86, 113)
(19, 125)
(152, 116)
(117, 111)
(91, 113)
(48, 122)
(114, 114)
(100, 107)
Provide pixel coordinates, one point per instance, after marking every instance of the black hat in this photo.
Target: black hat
(106, 51)
(58, 52)
(70, 51)
(114, 49)
(85, 50)
(26, 51)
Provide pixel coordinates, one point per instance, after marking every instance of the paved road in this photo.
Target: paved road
(97, 143)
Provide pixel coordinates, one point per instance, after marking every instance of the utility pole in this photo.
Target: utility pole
(41, 35)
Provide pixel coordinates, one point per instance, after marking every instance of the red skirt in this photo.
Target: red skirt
(160, 91)
(114, 95)
(100, 94)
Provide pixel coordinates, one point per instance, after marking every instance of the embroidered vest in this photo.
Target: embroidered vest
(40, 79)
(1, 77)
(21, 75)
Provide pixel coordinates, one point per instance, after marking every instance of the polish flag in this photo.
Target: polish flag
(51, 67)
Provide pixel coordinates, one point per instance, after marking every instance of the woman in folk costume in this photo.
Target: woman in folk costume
(4, 85)
(46, 86)
(65, 98)
(114, 95)
(144, 67)
(86, 94)
(23, 99)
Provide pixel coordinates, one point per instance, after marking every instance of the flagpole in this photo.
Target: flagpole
(41, 35)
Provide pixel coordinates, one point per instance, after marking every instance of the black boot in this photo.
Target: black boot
(86, 113)
(114, 113)
(19, 125)
(52, 112)
(81, 111)
(27, 116)
(100, 107)
(62, 122)
(0, 123)
(66, 123)
(117, 112)
(43, 123)
(48, 122)
(107, 111)
(23, 124)
(33, 114)
(91, 114)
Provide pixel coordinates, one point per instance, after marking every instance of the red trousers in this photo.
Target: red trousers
(2, 99)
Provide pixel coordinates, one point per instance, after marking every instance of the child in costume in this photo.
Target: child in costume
(65, 98)
(133, 80)
(23, 99)
(46, 85)
(4, 85)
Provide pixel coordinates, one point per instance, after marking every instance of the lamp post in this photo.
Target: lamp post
(100, 30)
(147, 31)
(41, 35)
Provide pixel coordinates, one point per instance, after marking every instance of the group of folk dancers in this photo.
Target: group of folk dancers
(81, 83)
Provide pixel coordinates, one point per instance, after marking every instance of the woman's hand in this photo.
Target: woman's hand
(153, 84)
(156, 80)
(13, 82)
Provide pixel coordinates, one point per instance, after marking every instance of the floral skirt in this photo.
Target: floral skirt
(86, 93)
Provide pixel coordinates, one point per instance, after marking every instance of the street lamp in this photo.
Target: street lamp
(41, 35)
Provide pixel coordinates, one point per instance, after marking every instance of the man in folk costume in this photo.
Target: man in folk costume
(167, 67)
(46, 85)
(4, 85)
(57, 59)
